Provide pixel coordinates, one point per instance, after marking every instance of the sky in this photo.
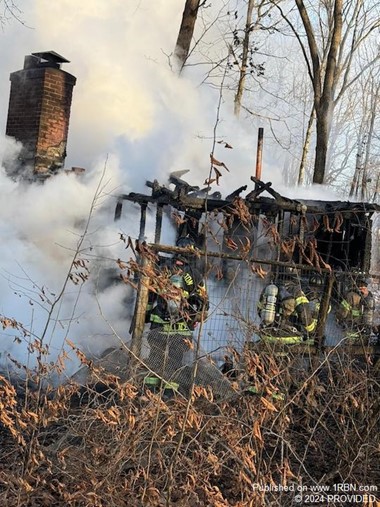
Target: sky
(132, 119)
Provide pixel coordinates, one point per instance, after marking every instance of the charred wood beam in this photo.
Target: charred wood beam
(259, 155)
(168, 197)
(258, 190)
(221, 255)
(181, 200)
(182, 185)
(280, 228)
(142, 222)
(118, 209)
(368, 245)
(158, 190)
(159, 214)
(280, 198)
(164, 195)
(236, 193)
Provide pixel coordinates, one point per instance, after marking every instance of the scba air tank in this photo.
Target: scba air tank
(174, 302)
(270, 299)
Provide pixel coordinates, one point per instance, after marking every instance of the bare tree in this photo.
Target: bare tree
(262, 10)
(322, 71)
(366, 174)
(243, 67)
(8, 10)
(374, 106)
(335, 30)
(305, 149)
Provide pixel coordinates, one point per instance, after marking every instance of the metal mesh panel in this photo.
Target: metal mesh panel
(234, 324)
(233, 317)
(172, 357)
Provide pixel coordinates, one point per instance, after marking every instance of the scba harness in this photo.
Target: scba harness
(180, 304)
(281, 305)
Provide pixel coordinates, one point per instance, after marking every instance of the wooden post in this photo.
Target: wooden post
(138, 323)
(366, 259)
(324, 311)
(259, 154)
(142, 222)
(157, 232)
(224, 255)
(119, 207)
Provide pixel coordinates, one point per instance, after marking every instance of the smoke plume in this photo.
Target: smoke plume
(133, 119)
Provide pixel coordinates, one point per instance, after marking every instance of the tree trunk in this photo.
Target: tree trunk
(323, 132)
(186, 31)
(355, 179)
(373, 114)
(243, 68)
(377, 188)
(325, 107)
(329, 56)
(305, 150)
(323, 85)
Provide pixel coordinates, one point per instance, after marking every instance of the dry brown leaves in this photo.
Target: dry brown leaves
(216, 162)
(258, 270)
(226, 145)
(113, 443)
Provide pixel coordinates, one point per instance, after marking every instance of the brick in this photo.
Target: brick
(39, 109)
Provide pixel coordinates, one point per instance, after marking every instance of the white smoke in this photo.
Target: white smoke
(41, 228)
(127, 98)
(130, 112)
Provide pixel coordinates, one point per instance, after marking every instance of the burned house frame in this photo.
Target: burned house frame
(332, 238)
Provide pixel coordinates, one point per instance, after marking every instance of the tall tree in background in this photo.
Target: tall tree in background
(262, 8)
(324, 83)
(335, 30)
(305, 149)
(366, 177)
(331, 36)
(243, 66)
(185, 34)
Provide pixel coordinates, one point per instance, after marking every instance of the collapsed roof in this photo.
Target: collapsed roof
(339, 230)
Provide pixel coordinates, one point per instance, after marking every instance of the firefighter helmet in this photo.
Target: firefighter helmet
(361, 282)
(185, 242)
(316, 279)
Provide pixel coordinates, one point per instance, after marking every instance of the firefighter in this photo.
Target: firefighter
(276, 306)
(313, 292)
(287, 315)
(356, 311)
(174, 313)
(303, 316)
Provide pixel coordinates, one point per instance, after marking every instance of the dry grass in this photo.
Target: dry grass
(115, 444)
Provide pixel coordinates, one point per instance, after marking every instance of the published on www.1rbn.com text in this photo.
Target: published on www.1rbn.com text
(323, 494)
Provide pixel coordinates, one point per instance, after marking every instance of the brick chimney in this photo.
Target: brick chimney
(39, 113)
